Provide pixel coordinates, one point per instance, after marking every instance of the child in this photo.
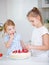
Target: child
(40, 40)
(12, 39)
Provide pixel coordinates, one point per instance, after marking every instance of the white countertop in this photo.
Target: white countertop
(30, 61)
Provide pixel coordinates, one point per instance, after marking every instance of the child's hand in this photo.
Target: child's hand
(28, 46)
(11, 36)
(8, 44)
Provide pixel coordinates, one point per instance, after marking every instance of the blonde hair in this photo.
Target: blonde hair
(8, 23)
(34, 13)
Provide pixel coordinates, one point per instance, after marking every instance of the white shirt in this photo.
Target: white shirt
(37, 38)
(37, 35)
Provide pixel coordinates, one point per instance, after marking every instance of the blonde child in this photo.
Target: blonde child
(12, 39)
(40, 39)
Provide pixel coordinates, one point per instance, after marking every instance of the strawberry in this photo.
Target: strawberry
(19, 51)
(15, 51)
(24, 50)
(1, 54)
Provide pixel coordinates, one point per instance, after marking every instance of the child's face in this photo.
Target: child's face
(10, 29)
(34, 21)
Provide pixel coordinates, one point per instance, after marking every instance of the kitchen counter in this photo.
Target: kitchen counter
(30, 61)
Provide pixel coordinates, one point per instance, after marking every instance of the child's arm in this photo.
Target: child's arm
(45, 45)
(23, 45)
(8, 43)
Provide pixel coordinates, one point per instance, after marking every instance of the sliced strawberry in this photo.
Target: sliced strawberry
(19, 51)
(1, 54)
(15, 51)
(24, 50)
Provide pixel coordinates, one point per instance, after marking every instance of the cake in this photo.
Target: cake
(17, 54)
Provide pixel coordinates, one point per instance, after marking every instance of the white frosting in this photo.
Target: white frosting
(20, 55)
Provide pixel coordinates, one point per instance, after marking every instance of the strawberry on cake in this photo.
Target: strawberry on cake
(20, 54)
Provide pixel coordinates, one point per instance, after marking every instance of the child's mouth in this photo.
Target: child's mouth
(11, 33)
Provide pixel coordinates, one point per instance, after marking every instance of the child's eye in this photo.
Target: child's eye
(31, 21)
(9, 29)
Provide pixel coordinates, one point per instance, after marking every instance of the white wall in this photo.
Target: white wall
(3, 11)
(17, 11)
(3, 17)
